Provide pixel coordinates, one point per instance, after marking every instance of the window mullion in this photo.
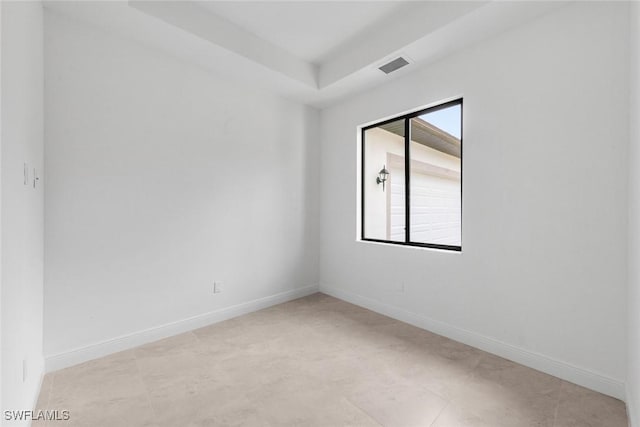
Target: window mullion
(407, 179)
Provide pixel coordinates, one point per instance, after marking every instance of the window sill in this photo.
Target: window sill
(429, 247)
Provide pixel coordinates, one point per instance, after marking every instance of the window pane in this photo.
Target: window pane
(384, 202)
(435, 185)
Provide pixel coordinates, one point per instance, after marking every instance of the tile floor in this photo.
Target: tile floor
(317, 361)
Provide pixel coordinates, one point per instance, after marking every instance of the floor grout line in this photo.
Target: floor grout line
(555, 412)
(433, 423)
(363, 411)
(144, 386)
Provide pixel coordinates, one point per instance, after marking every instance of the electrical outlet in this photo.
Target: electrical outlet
(217, 287)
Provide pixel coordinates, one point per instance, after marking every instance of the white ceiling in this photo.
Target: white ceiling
(315, 52)
(310, 30)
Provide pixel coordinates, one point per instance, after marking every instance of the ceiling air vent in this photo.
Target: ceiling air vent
(396, 64)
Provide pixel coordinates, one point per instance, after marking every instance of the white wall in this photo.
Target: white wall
(633, 357)
(542, 275)
(22, 205)
(162, 178)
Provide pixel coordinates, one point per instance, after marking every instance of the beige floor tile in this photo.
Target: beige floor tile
(130, 411)
(397, 403)
(177, 373)
(580, 407)
(45, 391)
(222, 407)
(112, 377)
(504, 393)
(107, 391)
(312, 408)
(43, 400)
(453, 416)
(317, 361)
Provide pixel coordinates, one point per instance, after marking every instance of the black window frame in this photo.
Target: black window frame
(407, 167)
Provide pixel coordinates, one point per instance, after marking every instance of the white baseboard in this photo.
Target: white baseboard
(632, 409)
(125, 342)
(566, 371)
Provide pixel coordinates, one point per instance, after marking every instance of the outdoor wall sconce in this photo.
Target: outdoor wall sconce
(382, 177)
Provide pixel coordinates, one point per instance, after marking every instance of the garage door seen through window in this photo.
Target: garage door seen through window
(412, 179)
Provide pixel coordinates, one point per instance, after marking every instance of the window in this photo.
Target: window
(412, 179)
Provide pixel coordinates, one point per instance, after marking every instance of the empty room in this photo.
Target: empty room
(319, 213)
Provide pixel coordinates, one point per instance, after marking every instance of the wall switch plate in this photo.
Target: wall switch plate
(217, 287)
